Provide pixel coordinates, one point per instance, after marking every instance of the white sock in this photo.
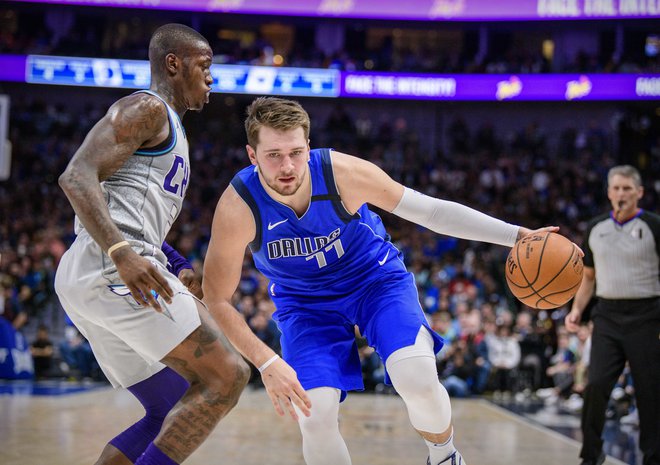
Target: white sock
(439, 452)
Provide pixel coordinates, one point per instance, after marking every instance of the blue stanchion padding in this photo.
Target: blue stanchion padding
(15, 356)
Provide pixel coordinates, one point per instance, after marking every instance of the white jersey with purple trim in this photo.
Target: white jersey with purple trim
(146, 194)
(144, 197)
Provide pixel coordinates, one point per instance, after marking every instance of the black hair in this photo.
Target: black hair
(171, 38)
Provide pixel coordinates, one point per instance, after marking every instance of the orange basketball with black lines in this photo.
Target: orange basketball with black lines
(544, 270)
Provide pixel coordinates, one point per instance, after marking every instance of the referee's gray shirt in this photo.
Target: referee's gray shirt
(625, 256)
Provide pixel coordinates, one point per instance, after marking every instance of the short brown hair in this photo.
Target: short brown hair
(276, 113)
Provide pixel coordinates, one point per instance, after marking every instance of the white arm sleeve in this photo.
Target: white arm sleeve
(454, 219)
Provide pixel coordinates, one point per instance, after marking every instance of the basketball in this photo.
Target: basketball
(544, 270)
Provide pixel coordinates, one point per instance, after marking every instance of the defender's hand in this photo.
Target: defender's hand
(141, 277)
(192, 282)
(284, 389)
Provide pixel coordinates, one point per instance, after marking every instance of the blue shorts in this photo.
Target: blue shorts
(318, 337)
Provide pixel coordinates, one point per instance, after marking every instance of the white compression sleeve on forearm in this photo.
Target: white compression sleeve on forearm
(454, 219)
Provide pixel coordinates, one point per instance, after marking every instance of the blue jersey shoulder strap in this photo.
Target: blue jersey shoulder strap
(246, 195)
(331, 188)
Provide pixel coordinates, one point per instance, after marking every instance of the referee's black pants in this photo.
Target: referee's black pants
(624, 330)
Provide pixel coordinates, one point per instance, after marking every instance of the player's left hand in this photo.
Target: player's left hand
(523, 232)
(284, 389)
(192, 282)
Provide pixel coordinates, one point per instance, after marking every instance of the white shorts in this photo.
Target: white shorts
(128, 340)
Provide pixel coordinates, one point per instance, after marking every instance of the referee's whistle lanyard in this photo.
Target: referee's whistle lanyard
(621, 223)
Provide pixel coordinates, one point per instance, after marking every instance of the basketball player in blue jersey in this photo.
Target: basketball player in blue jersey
(331, 266)
(149, 334)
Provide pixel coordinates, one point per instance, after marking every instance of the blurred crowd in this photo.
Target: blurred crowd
(494, 344)
(604, 47)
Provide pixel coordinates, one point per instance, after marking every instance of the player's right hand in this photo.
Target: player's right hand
(141, 277)
(572, 321)
(284, 389)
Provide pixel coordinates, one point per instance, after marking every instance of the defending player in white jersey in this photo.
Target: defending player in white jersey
(126, 184)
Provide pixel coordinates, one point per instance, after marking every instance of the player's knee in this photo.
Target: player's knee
(415, 378)
(416, 381)
(320, 422)
(422, 387)
(428, 404)
(324, 417)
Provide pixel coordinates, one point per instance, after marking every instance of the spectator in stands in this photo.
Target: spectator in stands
(76, 354)
(441, 323)
(10, 305)
(504, 356)
(532, 350)
(475, 350)
(561, 370)
(458, 373)
(42, 352)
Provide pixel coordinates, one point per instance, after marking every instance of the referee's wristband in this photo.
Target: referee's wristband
(117, 246)
(268, 363)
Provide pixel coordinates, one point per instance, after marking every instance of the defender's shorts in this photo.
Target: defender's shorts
(318, 339)
(128, 340)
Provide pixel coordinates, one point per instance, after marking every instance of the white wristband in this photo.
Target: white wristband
(117, 246)
(268, 363)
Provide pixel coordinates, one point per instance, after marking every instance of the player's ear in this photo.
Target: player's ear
(171, 63)
(252, 155)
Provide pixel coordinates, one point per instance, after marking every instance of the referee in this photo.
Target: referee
(621, 253)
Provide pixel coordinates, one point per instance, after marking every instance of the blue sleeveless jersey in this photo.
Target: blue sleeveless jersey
(328, 271)
(327, 253)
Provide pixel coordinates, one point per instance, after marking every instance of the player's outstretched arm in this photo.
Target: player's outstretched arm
(233, 229)
(360, 181)
(132, 122)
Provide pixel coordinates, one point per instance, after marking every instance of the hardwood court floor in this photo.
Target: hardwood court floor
(72, 430)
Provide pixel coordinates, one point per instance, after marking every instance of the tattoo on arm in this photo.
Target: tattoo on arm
(129, 123)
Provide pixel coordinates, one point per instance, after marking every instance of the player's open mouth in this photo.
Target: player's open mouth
(287, 180)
